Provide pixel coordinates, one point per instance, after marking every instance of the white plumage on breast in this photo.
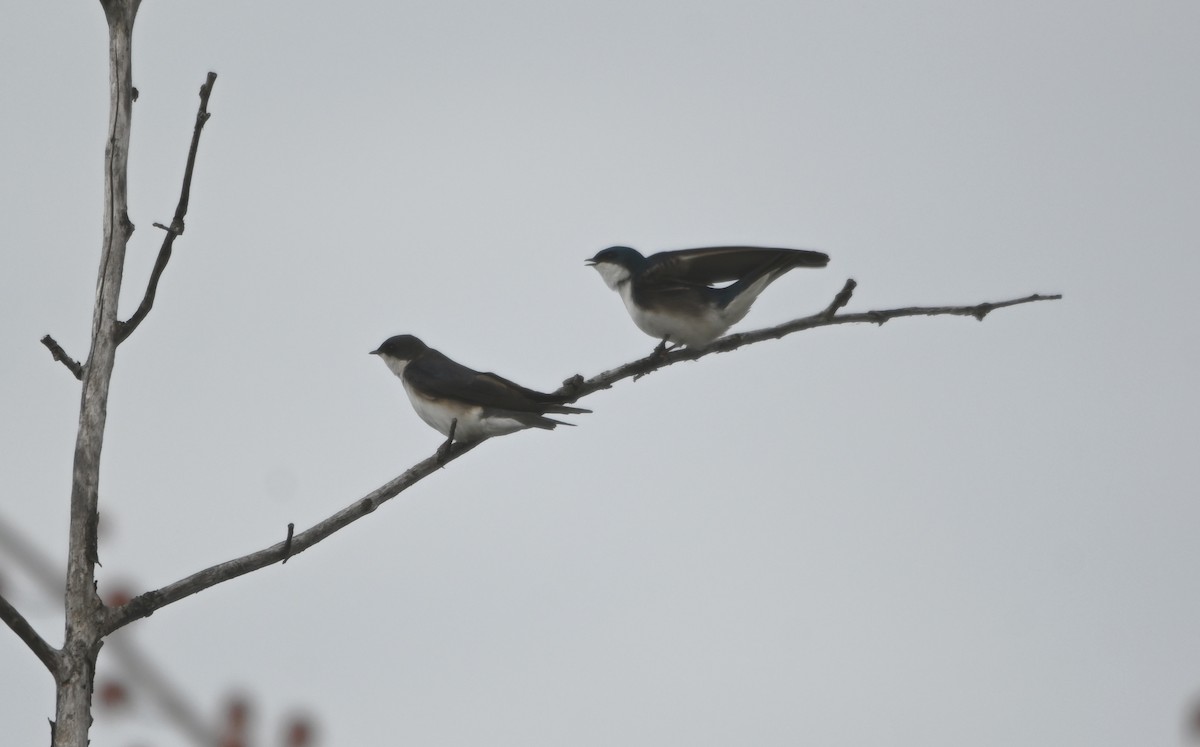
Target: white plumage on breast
(472, 424)
(694, 330)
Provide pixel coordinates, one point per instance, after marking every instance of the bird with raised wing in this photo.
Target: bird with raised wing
(464, 404)
(676, 296)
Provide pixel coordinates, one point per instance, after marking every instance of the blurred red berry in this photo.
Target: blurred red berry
(112, 694)
(118, 597)
(299, 733)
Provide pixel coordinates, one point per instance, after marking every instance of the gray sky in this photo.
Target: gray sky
(937, 532)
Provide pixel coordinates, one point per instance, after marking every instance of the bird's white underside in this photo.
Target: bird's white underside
(440, 413)
(472, 423)
(695, 330)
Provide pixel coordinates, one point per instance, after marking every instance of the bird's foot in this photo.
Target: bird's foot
(662, 349)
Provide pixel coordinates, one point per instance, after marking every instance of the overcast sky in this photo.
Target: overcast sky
(937, 532)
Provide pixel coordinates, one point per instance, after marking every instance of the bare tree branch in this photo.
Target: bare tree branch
(126, 328)
(45, 574)
(15, 620)
(146, 604)
(61, 356)
(577, 387)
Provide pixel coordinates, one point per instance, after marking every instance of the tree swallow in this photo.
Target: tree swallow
(463, 404)
(671, 295)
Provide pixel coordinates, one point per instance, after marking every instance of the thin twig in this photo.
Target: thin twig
(61, 356)
(841, 299)
(126, 328)
(287, 543)
(575, 388)
(15, 620)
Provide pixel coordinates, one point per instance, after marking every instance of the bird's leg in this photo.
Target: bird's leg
(662, 349)
(444, 450)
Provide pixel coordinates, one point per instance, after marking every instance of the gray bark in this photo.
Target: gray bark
(84, 610)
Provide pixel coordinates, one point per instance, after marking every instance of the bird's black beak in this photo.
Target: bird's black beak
(590, 262)
(374, 352)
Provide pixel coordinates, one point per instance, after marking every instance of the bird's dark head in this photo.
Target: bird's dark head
(622, 256)
(400, 347)
(617, 264)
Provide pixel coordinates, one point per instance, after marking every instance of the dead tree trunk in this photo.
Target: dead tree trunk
(85, 611)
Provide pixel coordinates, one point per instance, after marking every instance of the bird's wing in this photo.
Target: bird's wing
(720, 264)
(442, 377)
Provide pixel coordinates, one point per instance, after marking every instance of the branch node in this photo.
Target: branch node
(982, 310)
(840, 300)
(287, 543)
(651, 363)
